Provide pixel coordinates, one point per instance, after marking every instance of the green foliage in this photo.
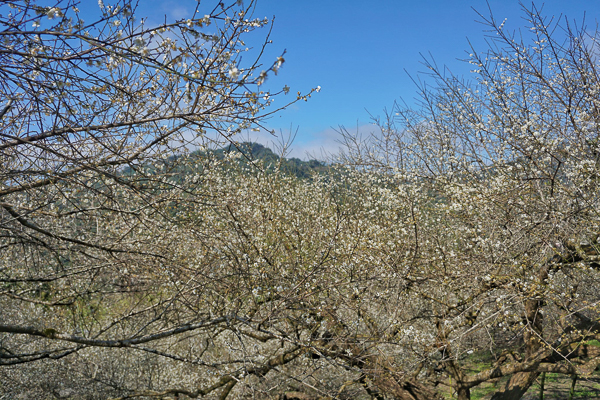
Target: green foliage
(248, 156)
(251, 152)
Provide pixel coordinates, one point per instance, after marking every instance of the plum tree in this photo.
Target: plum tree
(465, 228)
(94, 116)
(504, 170)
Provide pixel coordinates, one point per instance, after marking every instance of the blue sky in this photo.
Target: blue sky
(361, 51)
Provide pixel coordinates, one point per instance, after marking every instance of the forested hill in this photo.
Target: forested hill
(248, 152)
(254, 151)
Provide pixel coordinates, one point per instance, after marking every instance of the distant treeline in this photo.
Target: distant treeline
(251, 151)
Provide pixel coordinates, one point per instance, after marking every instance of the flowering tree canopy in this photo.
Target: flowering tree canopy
(466, 228)
(503, 173)
(93, 117)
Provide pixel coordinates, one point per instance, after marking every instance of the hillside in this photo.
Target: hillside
(254, 151)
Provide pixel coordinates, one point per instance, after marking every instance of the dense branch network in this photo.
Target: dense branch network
(464, 229)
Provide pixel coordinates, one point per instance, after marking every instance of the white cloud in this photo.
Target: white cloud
(321, 145)
(178, 12)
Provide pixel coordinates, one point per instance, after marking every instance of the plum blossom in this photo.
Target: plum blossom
(234, 73)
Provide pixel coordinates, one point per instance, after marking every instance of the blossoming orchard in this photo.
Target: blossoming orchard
(453, 251)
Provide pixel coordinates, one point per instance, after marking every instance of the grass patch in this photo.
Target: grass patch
(482, 390)
(552, 377)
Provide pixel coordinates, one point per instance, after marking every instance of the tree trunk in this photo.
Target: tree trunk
(520, 382)
(463, 393)
(412, 390)
(572, 391)
(516, 387)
